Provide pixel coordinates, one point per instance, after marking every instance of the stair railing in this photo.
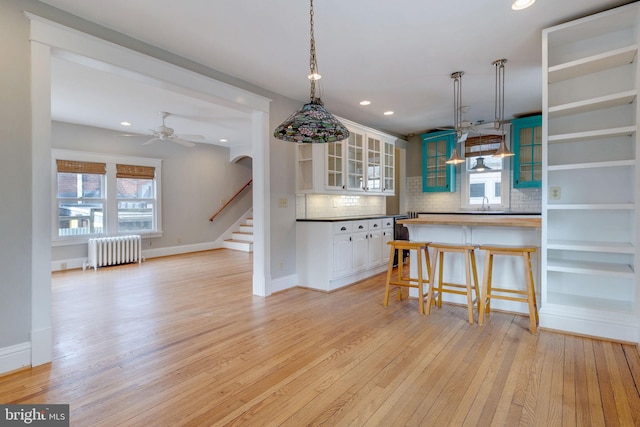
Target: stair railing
(231, 200)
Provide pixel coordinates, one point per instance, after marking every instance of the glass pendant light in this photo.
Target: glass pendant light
(457, 116)
(312, 123)
(503, 151)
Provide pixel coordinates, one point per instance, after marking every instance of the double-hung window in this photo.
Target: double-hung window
(99, 194)
(485, 179)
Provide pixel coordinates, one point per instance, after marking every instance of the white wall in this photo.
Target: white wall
(194, 181)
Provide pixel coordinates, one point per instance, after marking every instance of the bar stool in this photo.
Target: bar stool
(489, 292)
(441, 287)
(421, 249)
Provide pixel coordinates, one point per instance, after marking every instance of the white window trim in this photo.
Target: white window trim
(111, 199)
(505, 188)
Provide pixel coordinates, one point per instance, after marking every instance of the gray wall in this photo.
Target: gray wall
(15, 177)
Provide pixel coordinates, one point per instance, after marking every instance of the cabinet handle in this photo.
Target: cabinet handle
(343, 229)
(375, 225)
(349, 238)
(360, 227)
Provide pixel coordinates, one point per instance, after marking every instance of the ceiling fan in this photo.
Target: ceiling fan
(165, 133)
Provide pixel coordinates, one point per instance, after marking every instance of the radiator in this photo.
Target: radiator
(114, 250)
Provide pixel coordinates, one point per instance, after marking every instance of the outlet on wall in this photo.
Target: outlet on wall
(554, 193)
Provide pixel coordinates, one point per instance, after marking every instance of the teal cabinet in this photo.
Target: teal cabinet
(527, 149)
(437, 176)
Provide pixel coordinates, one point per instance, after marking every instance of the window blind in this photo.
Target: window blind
(483, 145)
(134, 171)
(72, 166)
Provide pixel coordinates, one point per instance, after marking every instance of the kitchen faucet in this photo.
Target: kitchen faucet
(483, 199)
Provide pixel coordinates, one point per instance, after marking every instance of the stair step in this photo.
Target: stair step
(238, 245)
(239, 235)
(249, 221)
(246, 228)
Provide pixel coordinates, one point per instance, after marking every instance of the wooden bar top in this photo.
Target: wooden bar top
(477, 220)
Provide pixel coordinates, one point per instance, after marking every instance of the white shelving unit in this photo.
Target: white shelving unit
(591, 178)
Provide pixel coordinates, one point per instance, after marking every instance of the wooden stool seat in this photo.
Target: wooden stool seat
(528, 295)
(441, 286)
(401, 280)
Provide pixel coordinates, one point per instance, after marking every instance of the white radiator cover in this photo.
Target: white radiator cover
(114, 250)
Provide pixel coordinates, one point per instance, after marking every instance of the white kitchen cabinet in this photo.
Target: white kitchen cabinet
(363, 163)
(334, 254)
(590, 176)
(387, 236)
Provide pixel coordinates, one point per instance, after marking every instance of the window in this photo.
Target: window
(486, 187)
(104, 195)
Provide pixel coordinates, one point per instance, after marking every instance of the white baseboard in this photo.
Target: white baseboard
(15, 357)
(282, 283)
(73, 263)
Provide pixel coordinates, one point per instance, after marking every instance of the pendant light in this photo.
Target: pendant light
(503, 151)
(480, 166)
(457, 116)
(312, 123)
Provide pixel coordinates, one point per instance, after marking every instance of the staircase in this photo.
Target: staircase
(242, 239)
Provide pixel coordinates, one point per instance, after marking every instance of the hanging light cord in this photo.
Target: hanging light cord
(457, 101)
(313, 64)
(499, 96)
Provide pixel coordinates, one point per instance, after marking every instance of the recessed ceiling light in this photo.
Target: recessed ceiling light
(223, 140)
(522, 4)
(125, 123)
(388, 113)
(365, 102)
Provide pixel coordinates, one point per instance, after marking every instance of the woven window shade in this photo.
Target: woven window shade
(484, 145)
(71, 166)
(133, 171)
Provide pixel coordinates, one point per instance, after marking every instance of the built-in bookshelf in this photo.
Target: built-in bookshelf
(590, 176)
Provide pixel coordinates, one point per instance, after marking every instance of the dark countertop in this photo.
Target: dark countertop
(350, 218)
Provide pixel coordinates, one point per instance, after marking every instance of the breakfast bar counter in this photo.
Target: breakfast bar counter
(482, 229)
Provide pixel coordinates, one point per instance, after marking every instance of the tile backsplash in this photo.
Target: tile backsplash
(310, 206)
(522, 200)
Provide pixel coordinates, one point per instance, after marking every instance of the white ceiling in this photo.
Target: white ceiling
(397, 54)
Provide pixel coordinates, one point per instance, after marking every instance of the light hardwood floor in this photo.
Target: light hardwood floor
(182, 341)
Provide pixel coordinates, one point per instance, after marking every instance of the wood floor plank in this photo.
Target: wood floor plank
(181, 341)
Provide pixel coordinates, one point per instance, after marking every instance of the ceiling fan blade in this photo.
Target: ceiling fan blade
(183, 136)
(129, 134)
(150, 141)
(182, 141)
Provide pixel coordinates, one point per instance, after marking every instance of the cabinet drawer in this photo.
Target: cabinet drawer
(360, 226)
(375, 224)
(342, 227)
(387, 223)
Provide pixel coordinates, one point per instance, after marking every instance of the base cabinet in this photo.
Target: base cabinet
(334, 254)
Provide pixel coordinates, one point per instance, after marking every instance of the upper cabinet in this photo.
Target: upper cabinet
(363, 163)
(527, 147)
(437, 176)
(590, 217)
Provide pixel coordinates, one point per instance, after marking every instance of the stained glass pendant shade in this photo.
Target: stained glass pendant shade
(312, 123)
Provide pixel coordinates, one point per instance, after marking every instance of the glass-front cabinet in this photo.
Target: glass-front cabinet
(437, 176)
(355, 161)
(335, 165)
(527, 147)
(362, 163)
(388, 184)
